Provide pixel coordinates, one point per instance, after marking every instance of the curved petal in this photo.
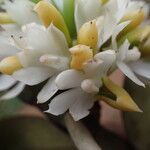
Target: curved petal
(13, 92)
(6, 49)
(116, 32)
(85, 13)
(69, 79)
(123, 51)
(47, 91)
(128, 72)
(77, 101)
(36, 37)
(58, 41)
(6, 82)
(61, 103)
(108, 57)
(33, 75)
(141, 68)
(83, 103)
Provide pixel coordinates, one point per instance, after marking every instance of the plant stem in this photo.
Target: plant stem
(80, 135)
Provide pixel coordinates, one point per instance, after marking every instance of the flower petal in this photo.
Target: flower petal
(83, 103)
(117, 30)
(47, 91)
(108, 57)
(61, 103)
(123, 51)
(21, 11)
(33, 75)
(128, 72)
(59, 41)
(85, 13)
(6, 82)
(141, 68)
(13, 92)
(6, 49)
(69, 79)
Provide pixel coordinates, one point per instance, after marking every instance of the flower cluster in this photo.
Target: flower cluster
(75, 45)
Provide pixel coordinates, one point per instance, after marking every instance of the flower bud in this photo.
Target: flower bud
(103, 1)
(49, 14)
(136, 18)
(9, 65)
(88, 34)
(5, 18)
(123, 102)
(80, 54)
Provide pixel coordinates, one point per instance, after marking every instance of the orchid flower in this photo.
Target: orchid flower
(79, 67)
(85, 78)
(9, 87)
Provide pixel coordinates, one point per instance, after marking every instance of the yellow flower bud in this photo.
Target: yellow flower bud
(136, 18)
(9, 65)
(49, 14)
(103, 1)
(5, 18)
(123, 102)
(80, 54)
(88, 35)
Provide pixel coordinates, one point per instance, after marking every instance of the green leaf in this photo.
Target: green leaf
(66, 7)
(35, 1)
(10, 107)
(31, 133)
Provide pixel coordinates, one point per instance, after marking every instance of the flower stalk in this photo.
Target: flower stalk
(80, 135)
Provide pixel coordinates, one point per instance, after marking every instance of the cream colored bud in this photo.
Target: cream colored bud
(136, 18)
(5, 18)
(103, 1)
(123, 102)
(49, 14)
(9, 65)
(80, 54)
(88, 34)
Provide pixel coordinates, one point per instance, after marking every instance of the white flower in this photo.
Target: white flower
(44, 53)
(84, 86)
(9, 87)
(125, 55)
(142, 69)
(113, 11)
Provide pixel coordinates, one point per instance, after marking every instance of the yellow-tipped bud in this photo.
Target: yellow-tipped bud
(49, 14)
(88, 34)
(5, 18)
(9, 65)
(103, 1)
(136, 18)
(137, 36)
(123, 102)
(80, 54)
